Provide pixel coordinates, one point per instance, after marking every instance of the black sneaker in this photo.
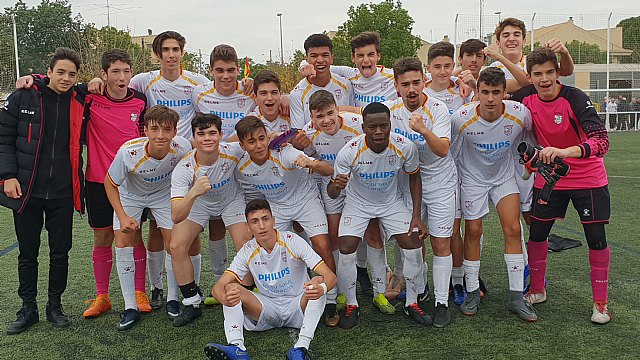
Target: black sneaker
(187, 316)
(442, 316)
(365, 282)
(157, 299)
(56, 316)
(424, 296)
(331, 317)
(27, 316)
(350, 317)
(173, 309)
(415, 312)
(127, 319)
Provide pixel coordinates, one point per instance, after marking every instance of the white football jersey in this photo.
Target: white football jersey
(281, 273)
(137, 173)
(231, 109)
(373, 178)
(173, 94)
(299, 98)
(328, 146)
(377, 88)
(450, 96)
(436, 170)
(280, 124)
(522, 65)
(487, 148)
(280, 181)
(221, 174)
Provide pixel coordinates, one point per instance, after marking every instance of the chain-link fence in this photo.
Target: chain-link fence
(7, 58)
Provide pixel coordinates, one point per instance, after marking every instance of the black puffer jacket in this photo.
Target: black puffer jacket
(21, 129)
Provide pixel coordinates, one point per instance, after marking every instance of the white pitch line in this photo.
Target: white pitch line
(624, 177)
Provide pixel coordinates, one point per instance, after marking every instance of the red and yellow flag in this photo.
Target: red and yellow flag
(247, 69)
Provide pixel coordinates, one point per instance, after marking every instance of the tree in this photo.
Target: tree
(91, 43)
(41, 29)
(583, 53)
(631, 38)
(389, 19)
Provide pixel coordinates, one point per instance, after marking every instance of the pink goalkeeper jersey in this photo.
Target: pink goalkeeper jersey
(569, 120)
(112, 122)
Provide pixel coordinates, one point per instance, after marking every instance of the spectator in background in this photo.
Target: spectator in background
(623, 113)
(612, 111)
(635, 107)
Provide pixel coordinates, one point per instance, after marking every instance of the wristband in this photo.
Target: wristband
(324, 287)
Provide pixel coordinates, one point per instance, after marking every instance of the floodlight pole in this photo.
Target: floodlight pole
(15, 46)
(455, 37)
(533, 39)
(608, 51)
(281, 44)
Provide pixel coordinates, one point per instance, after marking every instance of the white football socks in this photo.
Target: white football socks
(127, 275)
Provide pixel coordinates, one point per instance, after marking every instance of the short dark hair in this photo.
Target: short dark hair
(320, 100)
(248, 125)
(375, 108)
(255, 205)
(471, 46)
(223, 52)
(441, 48)
(318, 40)
(492, 76)
(364, 39)
(510, 22)
(407, 64)
(540, 56)
(204, 121)
(265, 77)
(165, 35)
(162, 116)
(113, 55)
(64, 53)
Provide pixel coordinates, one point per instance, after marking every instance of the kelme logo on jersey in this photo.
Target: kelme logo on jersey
(412, 136)
(174, 102)
(369, 99)
(493, 146)
(378, 175)
(274, 276)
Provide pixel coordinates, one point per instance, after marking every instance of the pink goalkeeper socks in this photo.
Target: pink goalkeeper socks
(599, 260)
(140, 260)
(102, 263)
(537, 264)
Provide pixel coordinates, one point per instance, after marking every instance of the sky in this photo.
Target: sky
(252, 26)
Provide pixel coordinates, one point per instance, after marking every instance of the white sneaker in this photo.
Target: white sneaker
(601, 314)
(536, 297)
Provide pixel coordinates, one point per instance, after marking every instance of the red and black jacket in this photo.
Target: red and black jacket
(21, 127)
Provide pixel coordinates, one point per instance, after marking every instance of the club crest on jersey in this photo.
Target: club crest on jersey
(225, 168)
(276, 171)
(240, 103)
(585, 212)
(346, 220)
(187, 90)
(174, 161)
(508, 129)
(448, 98)
(384, 85)
(134, 117)
(283, 256)
(392, 159)
(338, 94)
(557, 118)
(468, 204)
